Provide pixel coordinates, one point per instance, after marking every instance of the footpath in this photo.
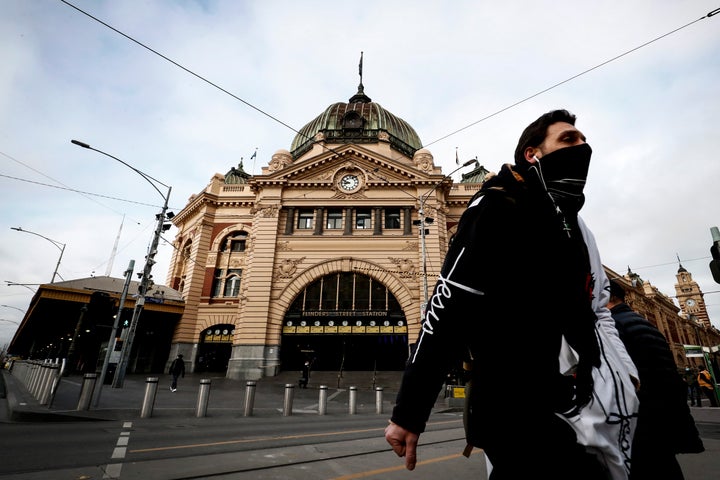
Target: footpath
(269, 396)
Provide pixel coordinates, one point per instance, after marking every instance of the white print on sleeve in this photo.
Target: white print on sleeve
(442, 290)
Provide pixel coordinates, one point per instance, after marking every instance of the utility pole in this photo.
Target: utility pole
(145, 276)
(113, 334)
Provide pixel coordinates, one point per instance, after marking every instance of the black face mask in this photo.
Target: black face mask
(563, 174)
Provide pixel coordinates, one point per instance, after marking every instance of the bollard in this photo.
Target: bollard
(33, 378)
(353, 400)
(322, 401)
(49, 384)
(86, 391)
(43, 381)
(249, 398)
(379, 400)
(151, 385)
(203, 396)
(288, 401)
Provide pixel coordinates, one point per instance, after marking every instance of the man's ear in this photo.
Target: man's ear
(530, 153)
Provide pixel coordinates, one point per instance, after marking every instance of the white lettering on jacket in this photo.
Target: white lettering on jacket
(442, 291)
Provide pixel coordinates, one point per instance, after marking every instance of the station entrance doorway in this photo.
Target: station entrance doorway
(345, 321)
(214, 348)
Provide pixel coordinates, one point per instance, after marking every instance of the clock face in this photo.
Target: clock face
(690, 302)
(349, 182)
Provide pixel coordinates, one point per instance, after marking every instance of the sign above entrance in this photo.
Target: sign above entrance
(344, 329)
(344, 322)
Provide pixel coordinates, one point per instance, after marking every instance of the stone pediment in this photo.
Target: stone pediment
(328, 169)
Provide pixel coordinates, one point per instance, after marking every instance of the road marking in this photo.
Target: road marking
(378, 471)
(264, 439)
(112, 470)
(119, 452)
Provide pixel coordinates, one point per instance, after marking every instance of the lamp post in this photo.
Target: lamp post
(26, 285)
(145, 276)
(54, 242)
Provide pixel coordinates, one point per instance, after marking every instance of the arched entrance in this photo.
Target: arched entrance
(345, 321)
(214, 348)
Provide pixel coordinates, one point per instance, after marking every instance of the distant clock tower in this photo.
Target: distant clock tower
(690, 297)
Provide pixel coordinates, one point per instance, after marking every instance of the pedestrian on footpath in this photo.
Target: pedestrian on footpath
(524, 266)
(177, 369)
(665, 426)
(693, 386)
(304, 374)
(706, 385)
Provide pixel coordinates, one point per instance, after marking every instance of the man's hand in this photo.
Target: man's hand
(403, 443)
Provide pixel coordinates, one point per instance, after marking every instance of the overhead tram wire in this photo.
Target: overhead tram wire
(498, 112)
(259, 110)
(69, 189)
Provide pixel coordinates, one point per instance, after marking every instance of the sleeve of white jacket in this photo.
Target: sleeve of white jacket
(601, 294)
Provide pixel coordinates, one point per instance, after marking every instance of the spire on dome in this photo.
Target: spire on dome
(360, 96)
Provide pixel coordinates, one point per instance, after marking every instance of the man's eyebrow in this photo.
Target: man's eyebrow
(573, 132)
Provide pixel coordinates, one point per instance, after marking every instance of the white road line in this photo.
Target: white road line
(119, 452)
(112, 470)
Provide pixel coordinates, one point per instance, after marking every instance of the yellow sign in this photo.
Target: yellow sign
(458, 392)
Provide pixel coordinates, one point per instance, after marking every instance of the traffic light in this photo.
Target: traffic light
(715, 252)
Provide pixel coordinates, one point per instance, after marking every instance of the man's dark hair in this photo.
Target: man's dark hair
(535, 133)
(617, 290)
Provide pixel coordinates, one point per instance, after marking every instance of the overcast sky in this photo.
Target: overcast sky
(467, 75)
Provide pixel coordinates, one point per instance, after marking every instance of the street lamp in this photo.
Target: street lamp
(26, 285)
(145, 275)
(54, 242)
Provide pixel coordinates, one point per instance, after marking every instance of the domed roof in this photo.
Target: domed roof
(236, 175)
(358, 121)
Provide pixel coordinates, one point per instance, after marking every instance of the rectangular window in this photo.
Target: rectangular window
(218, 282)
(392, 218)
(237, 245)
(329, 292)
(362, 292)
(232, 283)
(305, 219)
(312, 296)
(363, 218)
(379, 296)
(346, 291)
(334, 219)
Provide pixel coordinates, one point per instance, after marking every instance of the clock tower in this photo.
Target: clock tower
(690, 297)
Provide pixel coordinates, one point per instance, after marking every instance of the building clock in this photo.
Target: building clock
(349, 182)
(690, 303)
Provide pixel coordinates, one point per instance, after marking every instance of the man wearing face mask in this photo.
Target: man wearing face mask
(522, 281)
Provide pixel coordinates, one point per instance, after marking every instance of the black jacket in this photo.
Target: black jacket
(513, 282)
(665, 423)
(177, 367)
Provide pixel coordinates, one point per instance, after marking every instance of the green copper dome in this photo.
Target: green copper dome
(358, 121)
(236, 175)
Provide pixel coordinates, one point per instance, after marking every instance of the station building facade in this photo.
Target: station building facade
(325, 256)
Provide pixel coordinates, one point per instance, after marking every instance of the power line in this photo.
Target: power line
(69, 189)
(164, 57)
(180, 66)
(714, 12)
